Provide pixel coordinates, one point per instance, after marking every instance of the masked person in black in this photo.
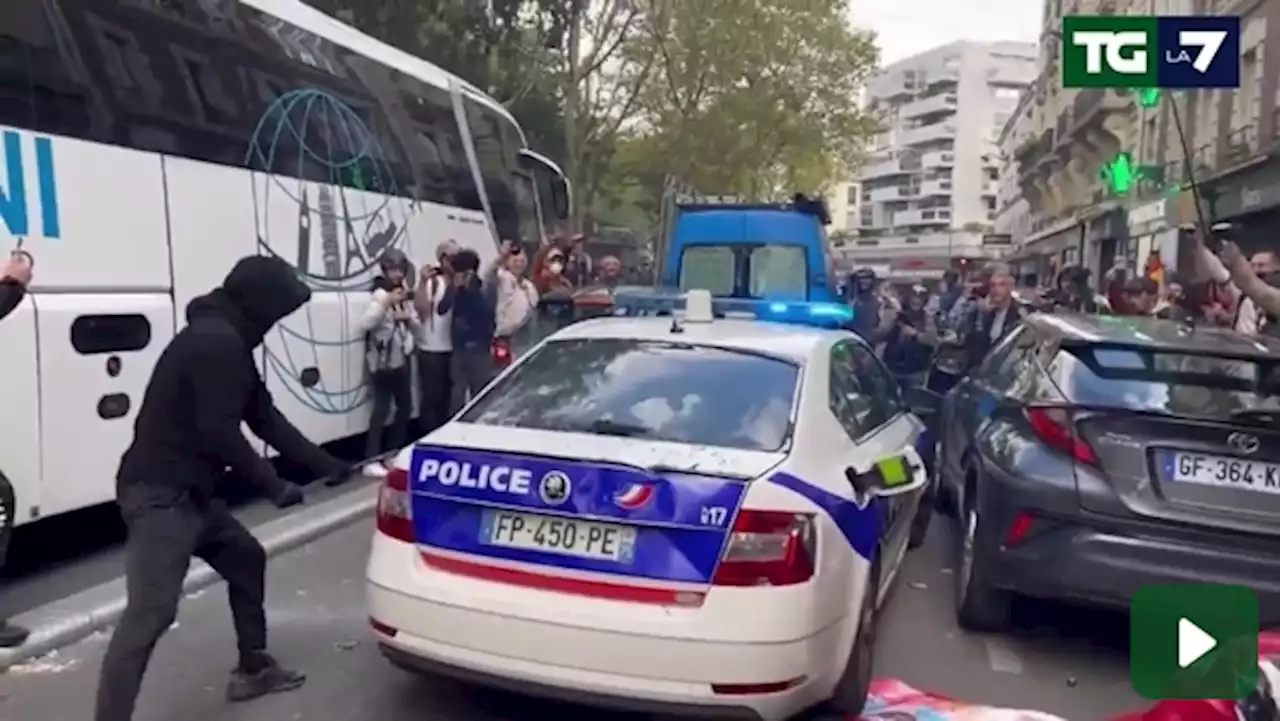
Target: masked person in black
(15, 276)
(186, 435)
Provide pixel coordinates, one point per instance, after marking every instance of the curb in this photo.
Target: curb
(64, 622)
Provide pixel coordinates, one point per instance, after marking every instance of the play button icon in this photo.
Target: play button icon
(1193, 643)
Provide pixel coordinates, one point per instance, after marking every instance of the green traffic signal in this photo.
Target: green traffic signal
(1120, 174)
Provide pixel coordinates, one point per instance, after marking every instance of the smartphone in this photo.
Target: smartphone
(409, 294)
(1219, 232)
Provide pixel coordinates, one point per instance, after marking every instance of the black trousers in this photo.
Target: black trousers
(388, 388)
(162, 540)
(435, 386)
(8, 516)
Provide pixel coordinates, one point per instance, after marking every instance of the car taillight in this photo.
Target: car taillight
(395, 515)
(768, 548)
(501, 353)
(1055, 427)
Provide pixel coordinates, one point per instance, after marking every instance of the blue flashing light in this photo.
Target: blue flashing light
(821, 314)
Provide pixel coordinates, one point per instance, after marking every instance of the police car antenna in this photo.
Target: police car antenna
(676, 328)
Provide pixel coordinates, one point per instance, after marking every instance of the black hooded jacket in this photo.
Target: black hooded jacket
(204, 384)
(11, 295)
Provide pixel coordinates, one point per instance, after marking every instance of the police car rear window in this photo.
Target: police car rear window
(652, 390)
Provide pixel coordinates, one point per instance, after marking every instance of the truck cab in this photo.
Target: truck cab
(775, 252)
(767, 261)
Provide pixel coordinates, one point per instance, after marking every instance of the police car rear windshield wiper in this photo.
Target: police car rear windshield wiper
(613, 428)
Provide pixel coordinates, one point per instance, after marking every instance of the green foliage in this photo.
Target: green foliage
(754, 97)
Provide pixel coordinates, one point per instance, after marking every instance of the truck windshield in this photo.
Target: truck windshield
(746, 271)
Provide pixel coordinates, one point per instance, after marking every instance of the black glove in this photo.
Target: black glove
(289, 495)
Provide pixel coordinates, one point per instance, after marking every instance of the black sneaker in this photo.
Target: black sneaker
(12, 636)
(274, 678)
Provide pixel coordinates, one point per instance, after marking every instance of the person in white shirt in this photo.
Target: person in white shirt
(435, 345)
(1262, 263)
(517, 298)
(390, 328)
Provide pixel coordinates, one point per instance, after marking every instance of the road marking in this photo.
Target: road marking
(1002, 658)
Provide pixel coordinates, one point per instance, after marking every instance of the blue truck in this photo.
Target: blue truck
(766, 261)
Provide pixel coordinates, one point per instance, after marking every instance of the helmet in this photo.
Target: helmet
(865, 272)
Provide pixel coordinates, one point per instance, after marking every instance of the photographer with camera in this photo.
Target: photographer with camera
(472, 329)
(1240, 282)
(391, 327)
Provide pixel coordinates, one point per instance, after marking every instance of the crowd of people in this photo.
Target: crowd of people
(953, 327)
(456, 324)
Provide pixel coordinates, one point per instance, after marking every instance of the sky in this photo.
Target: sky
(907, 27)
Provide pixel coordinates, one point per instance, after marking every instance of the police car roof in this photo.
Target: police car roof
(795, 343)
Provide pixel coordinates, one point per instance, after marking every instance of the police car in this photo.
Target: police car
(674, 515)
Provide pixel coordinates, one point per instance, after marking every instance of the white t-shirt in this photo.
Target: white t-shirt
(434, 335)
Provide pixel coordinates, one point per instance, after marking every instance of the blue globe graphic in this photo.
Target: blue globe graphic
(331, 229)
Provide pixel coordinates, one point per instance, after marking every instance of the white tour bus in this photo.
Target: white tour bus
(148, 145)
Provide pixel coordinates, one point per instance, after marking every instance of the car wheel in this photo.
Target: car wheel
(851, 691)
(979, 606)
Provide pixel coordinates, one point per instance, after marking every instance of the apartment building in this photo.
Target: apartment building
(1013, 212)
(1077, 214)
(929, 186)
(844, 201)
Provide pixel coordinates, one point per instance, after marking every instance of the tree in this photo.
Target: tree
(754, 97)
(601, 73)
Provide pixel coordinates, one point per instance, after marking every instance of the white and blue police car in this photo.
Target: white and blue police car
(679, 515)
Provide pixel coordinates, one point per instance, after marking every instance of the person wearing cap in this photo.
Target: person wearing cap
(435, 338)
(391, 329)
(472, 329)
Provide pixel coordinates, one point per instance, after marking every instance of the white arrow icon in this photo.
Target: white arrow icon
(1193, 643)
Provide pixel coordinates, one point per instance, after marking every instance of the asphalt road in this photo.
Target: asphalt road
(1067, 662)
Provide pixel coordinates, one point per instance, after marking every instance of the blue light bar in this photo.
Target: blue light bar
(823, 315)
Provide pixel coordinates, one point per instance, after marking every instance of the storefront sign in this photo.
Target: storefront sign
(1246, 192)
(1147, 218)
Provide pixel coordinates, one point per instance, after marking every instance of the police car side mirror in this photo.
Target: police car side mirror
(891, 476)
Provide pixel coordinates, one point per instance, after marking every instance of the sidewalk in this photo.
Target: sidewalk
(66, 621)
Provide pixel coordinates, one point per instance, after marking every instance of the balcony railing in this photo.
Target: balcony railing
(1242, 144)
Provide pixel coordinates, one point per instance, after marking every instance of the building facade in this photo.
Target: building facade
(929, 186)
(1013, 212)
(1105, 174)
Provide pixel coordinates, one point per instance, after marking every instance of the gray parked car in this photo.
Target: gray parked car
(1089, 456)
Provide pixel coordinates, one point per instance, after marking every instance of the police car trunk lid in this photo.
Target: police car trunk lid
(635, 509)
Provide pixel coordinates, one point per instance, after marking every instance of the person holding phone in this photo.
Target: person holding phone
(1228, 274)
(15, 276)
(471, 332)
(391, 328)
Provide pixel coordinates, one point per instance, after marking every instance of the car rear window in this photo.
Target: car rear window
(755, 271)
(653, 390)
(1182, 384)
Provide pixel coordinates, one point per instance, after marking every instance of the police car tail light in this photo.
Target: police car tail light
(768, 548)
(395, 519)
(1056, 427)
